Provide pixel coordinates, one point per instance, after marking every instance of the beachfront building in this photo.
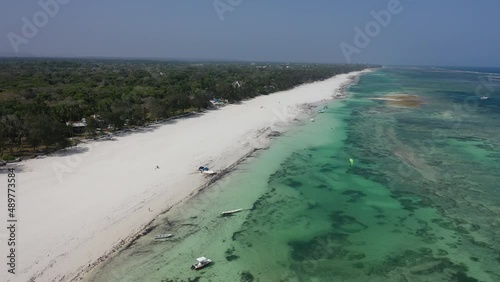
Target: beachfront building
(78, 127)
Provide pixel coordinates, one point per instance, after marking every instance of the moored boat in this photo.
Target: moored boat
(163, 236)
(226, 213)
(201, 263)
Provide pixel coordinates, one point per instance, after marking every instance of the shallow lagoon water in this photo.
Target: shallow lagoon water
(421, 203)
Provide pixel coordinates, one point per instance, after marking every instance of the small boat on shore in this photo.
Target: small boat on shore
(206, 170)
(226, 213)
(201, 263)
(163, 236)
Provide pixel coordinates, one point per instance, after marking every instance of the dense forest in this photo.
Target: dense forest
(43, 101)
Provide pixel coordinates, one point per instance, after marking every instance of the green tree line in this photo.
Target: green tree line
(38, 97)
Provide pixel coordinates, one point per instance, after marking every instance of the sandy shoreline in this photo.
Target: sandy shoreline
(76, 206)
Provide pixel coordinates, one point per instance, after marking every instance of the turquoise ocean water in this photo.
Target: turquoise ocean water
(421, 203)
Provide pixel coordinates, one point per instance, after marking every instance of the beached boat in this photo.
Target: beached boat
(201, 263)
(205, 170)
(226, 213)
(163, 236)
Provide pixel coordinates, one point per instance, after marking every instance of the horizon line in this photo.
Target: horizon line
(214, 60)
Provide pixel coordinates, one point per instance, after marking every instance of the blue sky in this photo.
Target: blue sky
(425, 32)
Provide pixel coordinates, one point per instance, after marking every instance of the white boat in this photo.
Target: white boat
(201, 263)
(163, 236)
(205, 170)
(226, 213)
(484, 98)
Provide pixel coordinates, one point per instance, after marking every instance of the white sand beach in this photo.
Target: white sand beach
(75, 206)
